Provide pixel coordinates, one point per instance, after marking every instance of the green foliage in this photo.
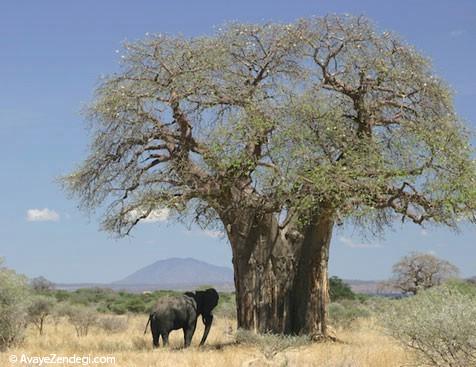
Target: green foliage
(226, 307)
(438, 324)
(90, 296)
(326, 111)
(339, 290)
(117, 308)
(461, 286)
(61, 295)
(121, 302)
(342, 314)
(136, 305)
(39, 309)
(13, 304)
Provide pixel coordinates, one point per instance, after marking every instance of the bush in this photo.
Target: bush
(343, 314)
(81, 317)
(118, 308)
(140, 343)
(226, 307)
(270, 344)
(136, 305)
(92, 296)
(13, 296)
(439, 324)
(113, 324)
(39, 308)
(41, 285)
(338, 290)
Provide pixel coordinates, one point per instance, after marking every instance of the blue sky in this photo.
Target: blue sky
(51, 56)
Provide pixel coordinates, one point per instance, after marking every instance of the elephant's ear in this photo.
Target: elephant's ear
(209, 301)
(190, 294)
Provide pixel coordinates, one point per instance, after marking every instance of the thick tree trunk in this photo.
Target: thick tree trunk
(281, 276)
(311, 285)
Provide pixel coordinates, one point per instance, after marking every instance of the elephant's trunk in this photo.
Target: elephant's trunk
(207, 320)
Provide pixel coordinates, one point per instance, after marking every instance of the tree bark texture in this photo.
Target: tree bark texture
(281, 277)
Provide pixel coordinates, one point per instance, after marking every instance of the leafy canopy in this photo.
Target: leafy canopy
(280, 118)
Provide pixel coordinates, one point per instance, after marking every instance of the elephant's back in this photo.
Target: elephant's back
(175, 311)
(170, 302)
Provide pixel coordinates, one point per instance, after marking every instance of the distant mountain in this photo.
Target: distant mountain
(364, 286)
(177, 273)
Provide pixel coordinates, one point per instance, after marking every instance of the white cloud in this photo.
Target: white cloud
(205, 232)
(42, 215)
(457, 32)
(214, 234)
(350, 243)
(156, 215)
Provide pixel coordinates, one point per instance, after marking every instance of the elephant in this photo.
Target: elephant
(181, 312)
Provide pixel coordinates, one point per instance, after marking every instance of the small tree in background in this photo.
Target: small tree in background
(82, 318)
(418, 271)
(41, 285)
(39, 309)
(338, 289)
(13, 295)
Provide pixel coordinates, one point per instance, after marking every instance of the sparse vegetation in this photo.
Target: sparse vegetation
(270, 344)
(112, 324)
(434, 328)
(362, 346)
(82, 318)
(13, 304)
(39, 308)
(343, 314)
(438, 324)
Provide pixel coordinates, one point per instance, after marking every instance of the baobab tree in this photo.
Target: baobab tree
(418, 271)
(277, 132)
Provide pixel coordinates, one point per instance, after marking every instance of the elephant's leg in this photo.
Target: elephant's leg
(188, 332)
(155, 332)
(165, 337)
(155, 340)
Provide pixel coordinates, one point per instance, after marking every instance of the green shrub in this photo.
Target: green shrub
(39, 309)
(226, 307)
(93, 296)
(61, 295)
(118, 308)
(136, 305)
(13, 304)
(342, 314)
(439, 324)
(338, 290)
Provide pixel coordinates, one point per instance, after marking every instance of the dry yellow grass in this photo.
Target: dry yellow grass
(362, 346)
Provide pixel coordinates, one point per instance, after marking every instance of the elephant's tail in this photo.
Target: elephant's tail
(148, 321)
